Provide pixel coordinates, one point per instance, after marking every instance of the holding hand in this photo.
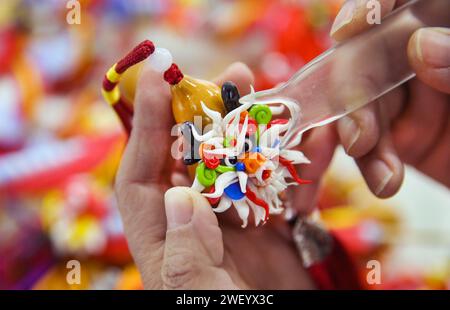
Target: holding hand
(175, 237)
(411, 124)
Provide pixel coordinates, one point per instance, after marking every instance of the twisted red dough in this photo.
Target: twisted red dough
(138, 54)
(290, 167)
(255, 199)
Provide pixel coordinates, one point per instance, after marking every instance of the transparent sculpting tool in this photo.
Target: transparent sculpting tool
(358, 71)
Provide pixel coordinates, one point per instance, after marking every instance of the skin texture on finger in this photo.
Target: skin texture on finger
(180, 175)
(352, 18)
(194, 247)
(429, 55)
(359, 132)
(394, 102)
(149, 144)
(319, 147)
(421, 125)
(264, 259)
(180, 179)
(437, 164)
(382, 168)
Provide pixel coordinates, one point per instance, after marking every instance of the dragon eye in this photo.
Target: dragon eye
(230, 161)
(248, 145)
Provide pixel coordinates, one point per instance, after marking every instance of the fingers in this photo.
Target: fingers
(240, 74)
(416, 131)
(194, 246)
(360, 131)
(144, 223)
(381, 167)
(180, 175)
(365, 136)
(319, 148)
(429, 55)
(144, 160)
(139, 185)
(353, 17)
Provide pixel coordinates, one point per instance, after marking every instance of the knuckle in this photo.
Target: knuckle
(179, 270)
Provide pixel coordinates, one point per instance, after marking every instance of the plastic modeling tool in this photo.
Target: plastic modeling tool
(358, 71)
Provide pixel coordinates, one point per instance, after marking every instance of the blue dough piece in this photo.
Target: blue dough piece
(234, 191)
(240, 166)
(257, 149)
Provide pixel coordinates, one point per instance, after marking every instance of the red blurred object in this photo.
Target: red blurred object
(83, 154)
(337, 271)
(116, 251)
(8, 49)
(353, 239)
(283, 22)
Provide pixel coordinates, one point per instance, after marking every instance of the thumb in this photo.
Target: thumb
(429, 55)
(194, 251)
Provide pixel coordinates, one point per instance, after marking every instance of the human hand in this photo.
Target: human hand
(411, 124)
(175, 237)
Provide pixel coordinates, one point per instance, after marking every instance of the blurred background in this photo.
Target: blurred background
(60, 144)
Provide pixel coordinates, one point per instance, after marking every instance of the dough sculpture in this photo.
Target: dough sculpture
(244, 153)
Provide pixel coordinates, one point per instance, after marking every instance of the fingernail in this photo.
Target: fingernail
(350, 132)
(344, 17)
(381, 174)
(179, 207)
(433, 47)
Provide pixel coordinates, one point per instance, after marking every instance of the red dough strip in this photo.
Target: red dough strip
(280, 121)
(290, 167)
(256, 200)
(138, 54)
(125, 114)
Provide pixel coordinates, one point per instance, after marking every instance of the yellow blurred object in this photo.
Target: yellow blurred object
(340, 217)
(81, 228)
(56, 278)
(129, 81)
(105, 172)
(347, 216)
(30, 84)
(7, 9)
(51, 207)
(437, 278)
(130, 279)
(242, 14)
